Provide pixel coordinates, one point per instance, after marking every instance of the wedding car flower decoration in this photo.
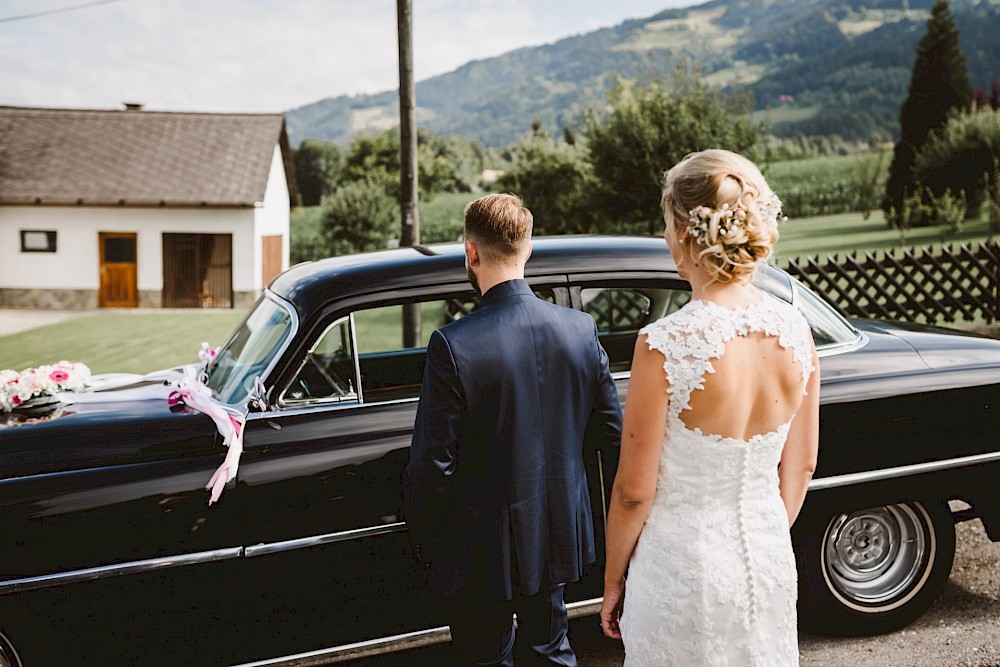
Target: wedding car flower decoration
(207, 354)
(37, 386)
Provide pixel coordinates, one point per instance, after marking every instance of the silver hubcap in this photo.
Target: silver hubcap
(874, 555)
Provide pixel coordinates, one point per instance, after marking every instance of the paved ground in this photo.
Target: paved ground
(15, 320)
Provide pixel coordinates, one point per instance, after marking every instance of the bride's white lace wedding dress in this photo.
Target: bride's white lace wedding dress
(712, 580)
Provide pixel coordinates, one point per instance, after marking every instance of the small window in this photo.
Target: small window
(37, 241)
(327, 374)
(621, 311)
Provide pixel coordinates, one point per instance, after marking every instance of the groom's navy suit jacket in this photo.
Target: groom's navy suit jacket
(513, 397)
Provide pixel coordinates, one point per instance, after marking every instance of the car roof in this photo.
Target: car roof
(313, 284)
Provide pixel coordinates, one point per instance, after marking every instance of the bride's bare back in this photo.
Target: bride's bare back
(756, 387)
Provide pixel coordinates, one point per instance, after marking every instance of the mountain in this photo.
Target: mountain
(814, 67)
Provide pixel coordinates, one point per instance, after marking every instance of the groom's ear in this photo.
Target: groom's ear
(472, 252)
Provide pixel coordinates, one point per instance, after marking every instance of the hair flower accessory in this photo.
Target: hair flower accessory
(770, 210)
(727, 220)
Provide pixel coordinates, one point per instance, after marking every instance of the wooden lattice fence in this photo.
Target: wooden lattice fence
(953, 284)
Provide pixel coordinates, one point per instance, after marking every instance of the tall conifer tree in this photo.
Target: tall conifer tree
(940, 83)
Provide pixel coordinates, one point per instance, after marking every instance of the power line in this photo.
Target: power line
(22, 17)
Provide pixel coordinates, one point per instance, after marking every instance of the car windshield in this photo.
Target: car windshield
(828, 327)
(249, 352)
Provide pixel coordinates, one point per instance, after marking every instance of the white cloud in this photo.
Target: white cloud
(263, 55)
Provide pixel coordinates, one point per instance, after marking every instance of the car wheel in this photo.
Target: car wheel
(8, 656)
(874, 570)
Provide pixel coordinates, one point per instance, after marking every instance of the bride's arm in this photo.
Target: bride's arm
(635, 482)
(798, 459)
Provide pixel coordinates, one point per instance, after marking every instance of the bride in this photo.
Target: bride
(721, 392)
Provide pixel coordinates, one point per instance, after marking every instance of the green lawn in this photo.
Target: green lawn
(849, 232)
(120, 341)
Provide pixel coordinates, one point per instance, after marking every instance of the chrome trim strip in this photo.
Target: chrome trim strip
(393, 644)
(352, 328)
(840, 348)
(90, 574)
(313, 408)
(900, 471)
(364, 649)
(330, 538)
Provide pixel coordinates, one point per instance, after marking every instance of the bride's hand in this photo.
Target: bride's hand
(611, 609)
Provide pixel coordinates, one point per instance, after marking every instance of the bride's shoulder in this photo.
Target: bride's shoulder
(659, 332)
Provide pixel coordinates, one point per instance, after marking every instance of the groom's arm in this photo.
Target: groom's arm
(434, 448)
(604, 427)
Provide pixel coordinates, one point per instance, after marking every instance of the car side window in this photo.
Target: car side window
(327, 373)
(621, 311)
(392, 367)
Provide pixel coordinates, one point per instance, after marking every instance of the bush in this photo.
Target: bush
(359, 217)
(306, 241)
(555, 180)
(961, 156)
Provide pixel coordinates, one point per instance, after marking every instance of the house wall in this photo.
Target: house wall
(271, 217)
(70, 277)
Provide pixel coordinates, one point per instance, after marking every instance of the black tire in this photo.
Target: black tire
(875, 570)
(9, 656)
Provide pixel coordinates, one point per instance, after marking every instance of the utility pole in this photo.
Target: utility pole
(410, 214)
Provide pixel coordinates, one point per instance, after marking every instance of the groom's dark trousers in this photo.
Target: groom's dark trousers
(514, 397)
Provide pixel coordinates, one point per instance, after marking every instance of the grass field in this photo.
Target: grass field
(120, 341)
(849, 232)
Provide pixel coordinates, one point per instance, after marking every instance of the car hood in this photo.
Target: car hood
(943, 348)
(89, 435)
(898, 359)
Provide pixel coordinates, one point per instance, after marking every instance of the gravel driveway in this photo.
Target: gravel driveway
(961, 629)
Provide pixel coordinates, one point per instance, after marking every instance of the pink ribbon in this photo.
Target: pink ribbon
(192, 392)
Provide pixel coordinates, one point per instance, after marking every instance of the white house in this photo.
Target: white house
(131, 208)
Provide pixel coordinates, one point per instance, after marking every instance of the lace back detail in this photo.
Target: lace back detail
(696, 334)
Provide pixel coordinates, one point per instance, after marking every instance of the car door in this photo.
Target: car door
(328, 556)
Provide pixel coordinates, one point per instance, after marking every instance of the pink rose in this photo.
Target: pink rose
(58, 375)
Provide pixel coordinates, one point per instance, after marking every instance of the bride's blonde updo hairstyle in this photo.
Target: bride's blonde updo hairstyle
(723, 211)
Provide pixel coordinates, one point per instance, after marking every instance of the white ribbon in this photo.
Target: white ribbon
(192, 392)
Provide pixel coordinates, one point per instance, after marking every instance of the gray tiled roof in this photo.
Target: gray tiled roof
(137, 158)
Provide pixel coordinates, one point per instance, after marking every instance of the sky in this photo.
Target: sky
(262, 55)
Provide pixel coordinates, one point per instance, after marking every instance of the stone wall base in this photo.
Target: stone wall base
(49, 299)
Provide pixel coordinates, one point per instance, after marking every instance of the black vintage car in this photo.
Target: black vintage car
(110, 554)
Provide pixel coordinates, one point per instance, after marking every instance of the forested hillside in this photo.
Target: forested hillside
(814, 67)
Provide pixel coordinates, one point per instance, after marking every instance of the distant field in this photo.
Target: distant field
(786, 113)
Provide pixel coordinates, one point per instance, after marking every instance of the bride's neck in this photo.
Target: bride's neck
(731, 293)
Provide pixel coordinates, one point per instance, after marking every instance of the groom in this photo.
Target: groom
(496, 492)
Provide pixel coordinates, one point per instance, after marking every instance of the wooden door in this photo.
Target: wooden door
(119, 288)
(271, 247)
(197, 270)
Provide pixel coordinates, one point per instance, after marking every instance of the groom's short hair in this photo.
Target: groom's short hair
(499, 225)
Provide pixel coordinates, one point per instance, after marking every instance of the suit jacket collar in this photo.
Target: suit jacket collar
(506, 289)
